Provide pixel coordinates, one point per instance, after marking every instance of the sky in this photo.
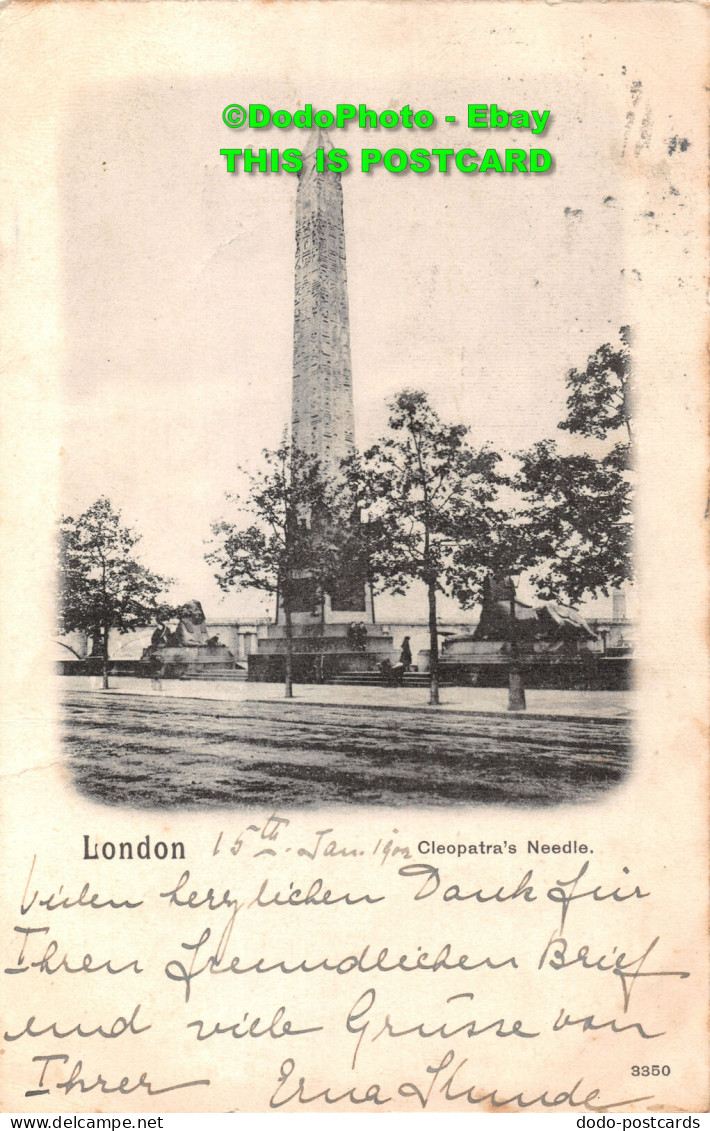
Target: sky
(177, 277)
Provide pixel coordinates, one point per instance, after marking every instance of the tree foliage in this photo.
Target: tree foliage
(101, 584)
(285, 537)
(579, 518)
(431, 502)
(275, 542)
(578, 506)
(599, 400)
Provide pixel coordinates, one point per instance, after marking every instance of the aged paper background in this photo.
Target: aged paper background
(73, 73)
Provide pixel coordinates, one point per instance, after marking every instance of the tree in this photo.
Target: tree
(599, 400)
(286, 543)
(578, 506)
(427, 493)
(101, 584)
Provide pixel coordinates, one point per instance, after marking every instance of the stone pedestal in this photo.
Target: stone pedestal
(464, 649)
(188, 662)
(320, 652)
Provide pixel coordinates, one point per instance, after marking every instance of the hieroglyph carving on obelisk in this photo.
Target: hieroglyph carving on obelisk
(322, 423)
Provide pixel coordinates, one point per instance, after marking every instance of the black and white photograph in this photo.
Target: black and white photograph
(355, 557)
(345, 434)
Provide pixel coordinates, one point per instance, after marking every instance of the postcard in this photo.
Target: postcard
(354, 558)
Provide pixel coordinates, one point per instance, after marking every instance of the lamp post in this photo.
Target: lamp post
(516, 689)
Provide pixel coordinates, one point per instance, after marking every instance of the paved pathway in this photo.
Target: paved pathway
(573, 704)
(147, 751)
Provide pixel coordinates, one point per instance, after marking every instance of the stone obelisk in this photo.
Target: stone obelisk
(322, 420)
(333, 633)
(322, 409)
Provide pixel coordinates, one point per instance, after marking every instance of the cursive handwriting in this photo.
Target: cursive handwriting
(269, 832)
(574, 1097)
(358, 1021)
(628, 970)
(315, 894)
(210, 901)
(119, 1027)
(54, 903)
(589, 1024)
(77, 1080)
(43, 964)
(565, 893)
(364, 963)
(481, 962)
(276, 1028)
(453, 893)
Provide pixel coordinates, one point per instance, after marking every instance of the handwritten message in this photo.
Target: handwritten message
(283, 967)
